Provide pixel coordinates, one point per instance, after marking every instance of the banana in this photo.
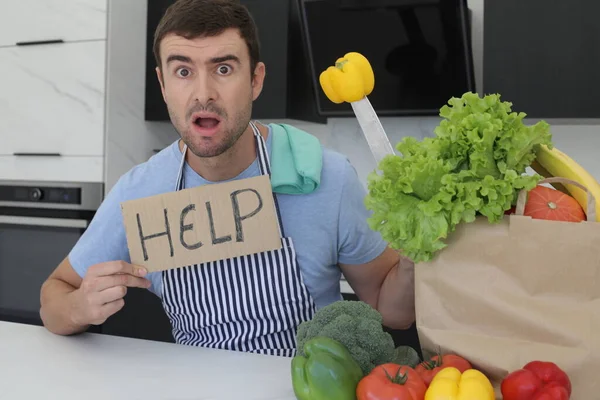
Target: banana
(558, 164)
(535, 165)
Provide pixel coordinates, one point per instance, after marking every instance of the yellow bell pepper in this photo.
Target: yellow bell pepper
(351, 79)
(450, 384)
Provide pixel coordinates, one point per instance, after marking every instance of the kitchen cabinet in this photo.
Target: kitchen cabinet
(23, 21)
(142, 317)
(52, 168)
(52, 99)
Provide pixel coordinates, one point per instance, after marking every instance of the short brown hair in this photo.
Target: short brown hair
(200, 18)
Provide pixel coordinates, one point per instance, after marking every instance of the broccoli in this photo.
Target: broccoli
(356, 325)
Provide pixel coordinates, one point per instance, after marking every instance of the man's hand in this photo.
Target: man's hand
(101, 292)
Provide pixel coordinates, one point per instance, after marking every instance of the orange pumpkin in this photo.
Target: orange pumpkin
(547, 203)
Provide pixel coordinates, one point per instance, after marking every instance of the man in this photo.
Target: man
(210, 73)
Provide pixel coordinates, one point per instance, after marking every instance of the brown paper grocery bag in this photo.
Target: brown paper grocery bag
(501, 295)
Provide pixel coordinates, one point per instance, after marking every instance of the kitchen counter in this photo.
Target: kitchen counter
(36, 364)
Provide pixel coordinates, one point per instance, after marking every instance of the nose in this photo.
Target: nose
(205, 90)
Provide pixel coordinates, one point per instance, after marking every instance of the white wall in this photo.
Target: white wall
(130, 140)
(476, 7)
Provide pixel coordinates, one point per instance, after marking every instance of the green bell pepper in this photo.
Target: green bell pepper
(328, 372)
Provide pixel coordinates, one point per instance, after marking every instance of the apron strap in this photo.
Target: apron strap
(261, 151)
(179, 181)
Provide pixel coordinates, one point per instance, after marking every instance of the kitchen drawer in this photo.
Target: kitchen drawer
(38, 20)
(54, 169)
(52, 99)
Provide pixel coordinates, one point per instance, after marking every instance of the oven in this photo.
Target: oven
(39, 224)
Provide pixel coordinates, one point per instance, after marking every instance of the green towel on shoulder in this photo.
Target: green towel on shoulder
(296, 160)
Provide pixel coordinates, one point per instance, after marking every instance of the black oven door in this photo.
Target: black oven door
(30, 249)
(39, 225)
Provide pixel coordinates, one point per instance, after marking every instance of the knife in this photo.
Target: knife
(372, 129)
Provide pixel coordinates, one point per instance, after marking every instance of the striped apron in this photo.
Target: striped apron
(251, 303)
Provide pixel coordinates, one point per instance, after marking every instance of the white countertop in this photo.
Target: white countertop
(36, 364)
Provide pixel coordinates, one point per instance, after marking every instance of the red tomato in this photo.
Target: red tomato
(429, 369)
(537, 380)
(391, 382)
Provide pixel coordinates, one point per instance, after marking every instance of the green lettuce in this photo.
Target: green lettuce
(474, 165)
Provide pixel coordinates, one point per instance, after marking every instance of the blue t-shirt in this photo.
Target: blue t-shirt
(327, 226)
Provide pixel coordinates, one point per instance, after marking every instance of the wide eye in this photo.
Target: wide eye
(223, 69)
(183, 72)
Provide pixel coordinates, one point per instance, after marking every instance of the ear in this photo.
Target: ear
(162, 83)
(258, 80)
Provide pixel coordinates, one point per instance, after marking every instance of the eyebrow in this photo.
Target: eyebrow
(214, 60)
(177, 57)
(227, 57)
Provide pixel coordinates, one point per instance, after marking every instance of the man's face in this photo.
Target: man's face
(209, 90)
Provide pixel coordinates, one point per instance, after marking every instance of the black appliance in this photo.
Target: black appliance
(420, 50)
(39, 224)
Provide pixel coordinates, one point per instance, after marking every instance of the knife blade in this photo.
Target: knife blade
(372, 129)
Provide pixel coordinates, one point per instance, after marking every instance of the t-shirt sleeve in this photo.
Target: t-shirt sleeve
(358, 243)
(104, 239)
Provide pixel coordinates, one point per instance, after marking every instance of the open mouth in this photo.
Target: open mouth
(206, 123)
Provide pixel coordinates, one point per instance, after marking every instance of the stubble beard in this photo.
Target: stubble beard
(211, 149)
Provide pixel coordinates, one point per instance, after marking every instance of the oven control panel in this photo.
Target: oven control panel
(40, 194)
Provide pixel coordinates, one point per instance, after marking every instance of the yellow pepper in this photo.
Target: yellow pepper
(350, 80)
(450, 384)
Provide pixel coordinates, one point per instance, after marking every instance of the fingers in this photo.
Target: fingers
(116, 267)
(105, 282)
(95, 308)
(111, 294)
(99, 288)
(112, 307)
(104, 312)
(103, 288)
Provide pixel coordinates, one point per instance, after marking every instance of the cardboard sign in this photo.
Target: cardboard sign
(207, 223)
